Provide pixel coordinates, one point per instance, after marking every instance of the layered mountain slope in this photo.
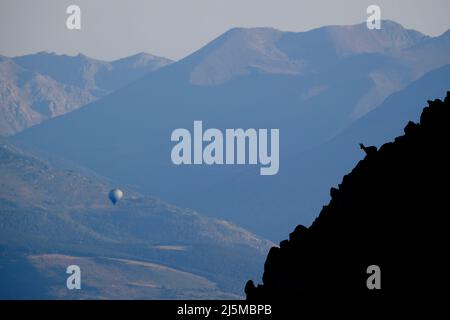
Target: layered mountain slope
(49, 210)
(389, 211)
(37, 87)
(28, 98)
(97, 76)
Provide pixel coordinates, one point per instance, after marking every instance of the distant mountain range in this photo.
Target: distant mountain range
(311, 85)
(53, 215)
(37, 87)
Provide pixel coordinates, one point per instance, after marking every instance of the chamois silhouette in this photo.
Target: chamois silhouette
(368, 150)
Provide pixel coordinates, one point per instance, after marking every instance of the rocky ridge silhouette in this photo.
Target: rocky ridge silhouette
(390, 211)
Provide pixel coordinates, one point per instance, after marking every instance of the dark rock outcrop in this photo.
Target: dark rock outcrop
(390, 211)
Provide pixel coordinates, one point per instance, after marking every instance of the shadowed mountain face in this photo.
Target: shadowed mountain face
(311, 85)
(28, 98)
(389, 211)
(50, 215)
(37, 87)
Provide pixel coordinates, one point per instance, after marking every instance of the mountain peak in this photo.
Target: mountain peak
(143, 59)
(446, 33)
(71, 203)
(356, 39)
(241, 51)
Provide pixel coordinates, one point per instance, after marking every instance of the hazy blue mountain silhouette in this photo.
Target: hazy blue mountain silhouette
(97, 76)
(311, 85)
(37, 87)
(388, 211)
(28, 97)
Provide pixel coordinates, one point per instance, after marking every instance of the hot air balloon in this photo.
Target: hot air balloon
(115, 195)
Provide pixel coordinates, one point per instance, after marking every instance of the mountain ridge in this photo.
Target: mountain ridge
(82, 71)
(243, 42)
(37, 87)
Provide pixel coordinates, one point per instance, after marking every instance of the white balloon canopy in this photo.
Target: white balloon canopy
(115, 195)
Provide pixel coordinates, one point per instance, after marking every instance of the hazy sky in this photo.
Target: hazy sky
(113, 29)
